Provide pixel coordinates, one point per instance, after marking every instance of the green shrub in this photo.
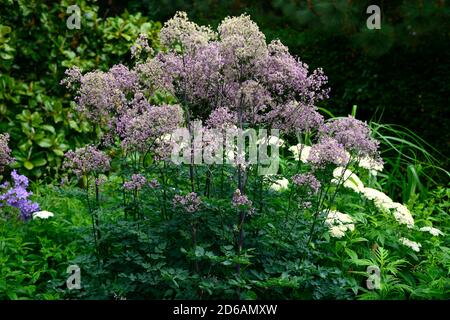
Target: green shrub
(35, 48)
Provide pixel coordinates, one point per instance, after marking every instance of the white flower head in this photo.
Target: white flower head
(301, 151)
(403, 215)
(338, 223)
(386, 204)
(370, 164)
(42, 214)
(279, 185)
(433, 231)
(411, 244)
(351, 180)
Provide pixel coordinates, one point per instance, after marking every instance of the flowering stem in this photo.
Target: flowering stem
(194, 241)
(241, 238)
(163, 185)
(339, 184)
(316, 214)
(208, 182)
(94, 232)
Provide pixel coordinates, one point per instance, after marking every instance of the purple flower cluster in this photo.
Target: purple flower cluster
(221, 118)
(17, 196)
(327, 151)
(354, 135)
(139, 131)
(102, 94)
(238, 71)
(232, 75)
(306, 180)
(153, 184)
(288, 77)
(240, 199)
(295, 118)
(86, 160)
(5, 151)
(190, 202)
(138, 181)
(140, 46)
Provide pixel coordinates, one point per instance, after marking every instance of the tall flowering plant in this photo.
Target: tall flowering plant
(226, 79)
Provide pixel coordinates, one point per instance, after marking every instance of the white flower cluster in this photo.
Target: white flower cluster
(413, 245)
(279, 185)
(243, 37)
(180, 31)
(42, 215)
(350, 179)
(433, 231)
(338, 223)
(300, 151)
(385, 203)
(371, 164)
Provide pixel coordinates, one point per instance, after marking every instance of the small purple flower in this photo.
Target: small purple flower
(100, 180)
(17, 196)
(221, 118)
(153, 184)
(140, 45)
(306, 180)
(139, 131)
(86, 160)
(327, 151)
(190, 202)
(126, 80)
(354, 135)
(240, 199)
(137, 182)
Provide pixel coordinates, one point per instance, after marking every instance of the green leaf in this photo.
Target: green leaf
(58, 152)
(28, 165)
(48, 127)
(352, 254)
(39, 162)
(74, 125)
(45, 143)
(199, 251)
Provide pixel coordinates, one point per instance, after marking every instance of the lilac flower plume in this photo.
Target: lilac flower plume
(221, 118)
(190, 202)
(139, 131)
(328, 151)
(141, 45)
(17, 196)
(153, 184)
(5, 151)
(86, 160)
(307, 180)
(240, 199)
(138, 181)
(354, 135)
